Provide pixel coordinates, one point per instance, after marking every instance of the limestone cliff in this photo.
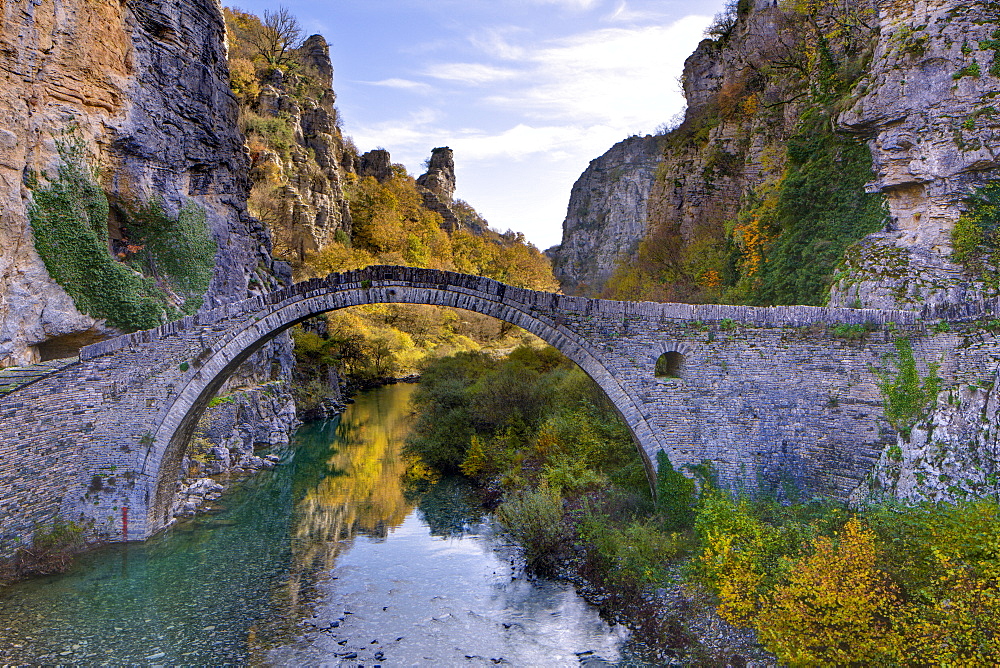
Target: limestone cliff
(606, 216)
(927, 109)
(142, 87)
(298, 154)
(796, 118)
(145, 85)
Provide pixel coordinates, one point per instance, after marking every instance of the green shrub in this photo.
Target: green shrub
(176, 249)
(69, 220)
(635, 554)
(534, 518)
(975, 238)
(821, 209)
(52, 549)
(906, 398)
(674, 495)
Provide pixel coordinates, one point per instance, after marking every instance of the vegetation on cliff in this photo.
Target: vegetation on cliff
(976, 236)
(161, 271)
(390, 226)
(304, 170)
(778, 192)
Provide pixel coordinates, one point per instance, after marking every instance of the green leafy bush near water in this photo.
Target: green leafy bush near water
(542, 440)
(69, 219)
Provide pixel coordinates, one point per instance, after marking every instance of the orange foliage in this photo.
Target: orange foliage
(753, 240)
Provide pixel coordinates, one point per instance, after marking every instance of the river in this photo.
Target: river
(331, 559)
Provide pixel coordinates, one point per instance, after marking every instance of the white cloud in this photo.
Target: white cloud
(570, 4)
(546, 108)
(475, 74)
(623, 13)
(401, 84)
(625, 78)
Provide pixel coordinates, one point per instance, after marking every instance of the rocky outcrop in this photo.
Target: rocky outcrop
(928, 107)
(161, 123)
(606, 217)
(923, 101)
(144, 86)
(437, 186)
(440, 175)
(298, 179)
(376, 164)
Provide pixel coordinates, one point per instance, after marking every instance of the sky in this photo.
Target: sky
(526, 92)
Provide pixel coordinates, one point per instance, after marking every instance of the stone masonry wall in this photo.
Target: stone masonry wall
(771, 396)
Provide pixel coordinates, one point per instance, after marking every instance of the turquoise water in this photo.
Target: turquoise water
(328, 559)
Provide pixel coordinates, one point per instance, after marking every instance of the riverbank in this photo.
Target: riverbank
(563, 476)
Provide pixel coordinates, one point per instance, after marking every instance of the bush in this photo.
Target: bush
(534, 518)
(837, 607)
(69, 219)
(907, 400)
(634, 555)
(52, 549)
(674, 495)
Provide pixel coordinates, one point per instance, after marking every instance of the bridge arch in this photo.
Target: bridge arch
(264, 319)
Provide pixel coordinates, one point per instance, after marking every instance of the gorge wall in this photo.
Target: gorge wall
(145, 87)
(142, 88)
(606, 217)
(891, 101)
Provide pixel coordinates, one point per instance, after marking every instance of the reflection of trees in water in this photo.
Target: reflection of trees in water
(355, 486)
(447, 508)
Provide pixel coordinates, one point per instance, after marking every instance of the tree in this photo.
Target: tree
(837, 607)
(276, 37)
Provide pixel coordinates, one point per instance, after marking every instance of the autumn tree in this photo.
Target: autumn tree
(272, 39)
(836, 609)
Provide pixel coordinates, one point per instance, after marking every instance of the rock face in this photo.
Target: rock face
(161, 123)
(928, 108)
(144, 85)
(606, 217)
(440, 175)
(924, 104)
(437, 186)
(376, 164)
(299, 190)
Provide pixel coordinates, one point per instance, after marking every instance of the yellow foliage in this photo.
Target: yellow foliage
(475, 457)
(335, 257)
(753, 240)
(960, 625)
(836, 609)
(243, 79)
(737, 578)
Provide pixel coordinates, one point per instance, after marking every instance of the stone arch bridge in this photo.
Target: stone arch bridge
(766, 394)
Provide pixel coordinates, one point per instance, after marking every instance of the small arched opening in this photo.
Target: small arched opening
(669, 365)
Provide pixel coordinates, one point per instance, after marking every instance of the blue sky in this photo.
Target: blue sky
(526, 92)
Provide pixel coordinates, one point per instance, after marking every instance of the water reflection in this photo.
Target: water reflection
(411, 587)
(324, 560)
(352, 484)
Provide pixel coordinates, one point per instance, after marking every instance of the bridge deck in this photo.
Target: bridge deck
(15, 377)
